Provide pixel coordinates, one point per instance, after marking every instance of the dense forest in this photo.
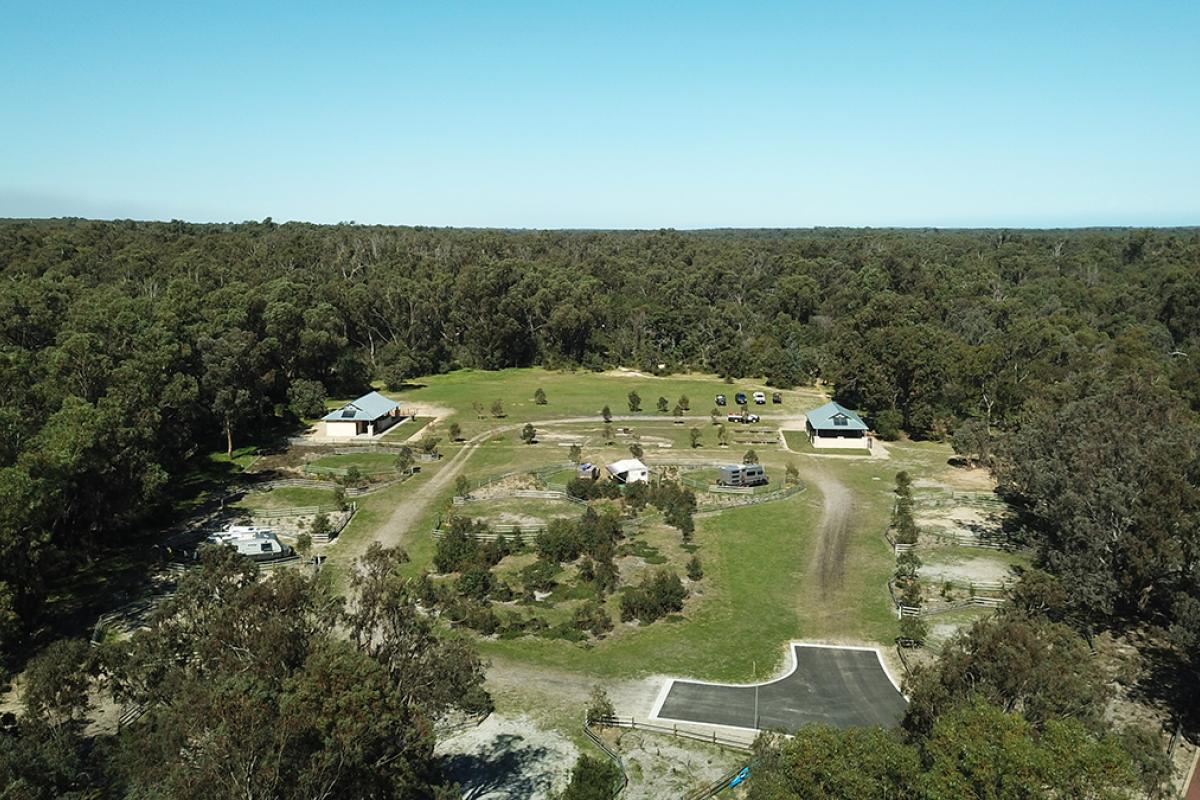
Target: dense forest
(1068, 361)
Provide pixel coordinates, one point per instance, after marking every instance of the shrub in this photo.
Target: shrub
(475, 582)
(592, 779)
(907, 565)
(694, 570)
(635, 402)
(913, 631)
(320, 526)
(539, 576)
(539, 397)
(656, 596)
(599, 704)
(663, 405)
(592, 617)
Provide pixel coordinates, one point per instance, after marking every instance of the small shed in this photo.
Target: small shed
(833, 425)
(629, 470)
(369, 415)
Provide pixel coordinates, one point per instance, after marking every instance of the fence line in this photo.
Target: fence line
(716, 787)
(929, 611)
(620, 786)
(341, 472)
(753, 500)
(983, 601)
(294, 511)
(674, 730)
(903, 659)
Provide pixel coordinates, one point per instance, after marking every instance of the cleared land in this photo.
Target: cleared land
(814, 566)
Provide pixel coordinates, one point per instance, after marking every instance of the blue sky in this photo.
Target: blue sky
(607, 114)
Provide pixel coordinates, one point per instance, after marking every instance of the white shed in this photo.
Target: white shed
(629, 470)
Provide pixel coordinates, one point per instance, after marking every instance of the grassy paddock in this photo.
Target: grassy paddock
(286, 497)
(572, 394)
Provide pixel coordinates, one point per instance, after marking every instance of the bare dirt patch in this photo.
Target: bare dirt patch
(971, 569)
(504, 487)
(508, 757)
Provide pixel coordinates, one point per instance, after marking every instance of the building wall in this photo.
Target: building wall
(842, 442)
(341, 428)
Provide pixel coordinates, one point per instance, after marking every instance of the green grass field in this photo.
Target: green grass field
(573, 394)
(286, 497)
(367, 462)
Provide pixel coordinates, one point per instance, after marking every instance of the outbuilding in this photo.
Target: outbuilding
(369, 415)
(629, 470)
(833, 425)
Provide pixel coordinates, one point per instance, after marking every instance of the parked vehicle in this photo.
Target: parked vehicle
(740, 398)
(261, 545)
(740, 417)
(720, 399)
(776, 398)
(760, 398)
(742, 475)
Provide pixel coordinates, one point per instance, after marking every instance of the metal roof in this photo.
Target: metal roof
(625, 465)
(370, 406)
(832, 416)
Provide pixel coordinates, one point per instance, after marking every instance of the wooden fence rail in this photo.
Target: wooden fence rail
(673, 730)
(622, 782)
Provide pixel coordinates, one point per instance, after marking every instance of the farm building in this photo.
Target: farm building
(369, 415)
(832, 425)
(629, 470)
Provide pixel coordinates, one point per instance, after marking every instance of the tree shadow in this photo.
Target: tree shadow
(505, 767)
(1169, 684)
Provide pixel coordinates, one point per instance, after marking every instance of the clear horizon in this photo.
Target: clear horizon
(544, 116)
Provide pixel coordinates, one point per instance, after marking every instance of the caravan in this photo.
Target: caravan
(742, 475)
(257, 544)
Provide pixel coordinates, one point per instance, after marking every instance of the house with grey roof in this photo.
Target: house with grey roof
(369, 415)
(834, 425)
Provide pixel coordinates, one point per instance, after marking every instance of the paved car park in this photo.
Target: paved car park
(841, 686)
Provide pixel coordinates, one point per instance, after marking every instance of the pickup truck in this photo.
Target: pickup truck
(746, 418)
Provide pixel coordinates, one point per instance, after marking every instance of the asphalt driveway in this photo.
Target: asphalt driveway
(841, 686)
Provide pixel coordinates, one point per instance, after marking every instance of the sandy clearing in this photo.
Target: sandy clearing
(659, 766)
(508, 757)
(972, 568)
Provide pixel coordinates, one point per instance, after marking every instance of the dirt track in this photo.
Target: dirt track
(834, 533)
